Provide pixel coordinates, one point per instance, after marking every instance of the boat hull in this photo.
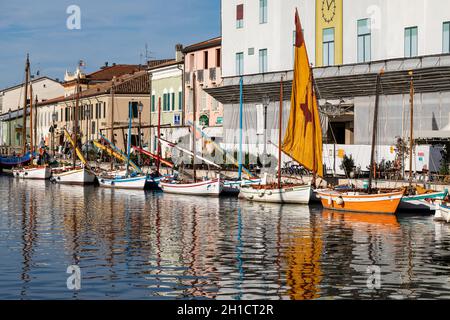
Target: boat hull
(14, 161)
(442, 213)
(422, 202)
(38, 173)
(75, 177)
(203, 188)
(234, 187)
(137, 183)
(293, 195)
(353, 202)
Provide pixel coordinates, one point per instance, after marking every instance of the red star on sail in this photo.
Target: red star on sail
(306, 113)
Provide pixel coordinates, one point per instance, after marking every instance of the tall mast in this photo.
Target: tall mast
(411, 133)
(112, 118)
(35, 120)
(75, 119)
(280, 133)
(194, 124)
(241, 107)
(24, 128)
(129, 138)
(311, 83)
(31, 120)
(374, 131)
(158, 163)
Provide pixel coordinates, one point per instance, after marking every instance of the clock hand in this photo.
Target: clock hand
(329, 4)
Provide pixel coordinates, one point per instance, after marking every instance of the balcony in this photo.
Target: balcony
(212, 74)
(187, 78)
(200, 76)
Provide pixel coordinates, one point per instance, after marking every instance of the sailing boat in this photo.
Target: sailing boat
(303, 138)
(20, 160)
(33, 171)
(371, 200)
(206, 187)
(79, 175)
(418, 198)
(129, 181)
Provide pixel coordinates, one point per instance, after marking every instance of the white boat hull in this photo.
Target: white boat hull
(203, 188)
(442, 213)
(77, 177)
(123, 183)
(292, 195)
(38, 173)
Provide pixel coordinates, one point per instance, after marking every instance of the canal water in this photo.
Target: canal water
(149, 245)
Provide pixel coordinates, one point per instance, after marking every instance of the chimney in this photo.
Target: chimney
(179, 52)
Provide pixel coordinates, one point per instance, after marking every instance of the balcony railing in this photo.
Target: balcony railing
(187, 78)
(200, 76)
(212, 74)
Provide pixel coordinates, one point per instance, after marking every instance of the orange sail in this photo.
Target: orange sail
(303, 138)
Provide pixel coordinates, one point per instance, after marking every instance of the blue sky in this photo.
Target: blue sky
(113, 31)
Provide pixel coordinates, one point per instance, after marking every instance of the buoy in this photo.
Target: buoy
(269, 193)
(261, 194)
(340, 201)
(250, 197)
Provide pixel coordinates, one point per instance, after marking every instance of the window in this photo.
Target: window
(240, 63)
(240, 16)
(328, 47)
(411, 45)
(176, 119)
(153, 102)
(134, 109)
(263, 61)
(262, 11)
(218, 60)
(180, 100)
(364, 40)
(205, 60)
(93, 127)
(173, 100)
(446, 38)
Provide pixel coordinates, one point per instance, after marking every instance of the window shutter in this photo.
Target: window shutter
(240, 12)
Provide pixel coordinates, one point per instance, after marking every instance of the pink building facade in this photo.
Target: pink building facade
(202, 71)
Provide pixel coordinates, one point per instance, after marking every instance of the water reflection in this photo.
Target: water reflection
(140, 245)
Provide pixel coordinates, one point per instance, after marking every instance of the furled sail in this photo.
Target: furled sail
(303, 138)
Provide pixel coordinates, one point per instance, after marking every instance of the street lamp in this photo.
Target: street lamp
(140, 109)
(265, 102)
(54, 118)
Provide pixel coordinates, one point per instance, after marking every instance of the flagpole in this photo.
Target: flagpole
(241, 111)
(280, 133)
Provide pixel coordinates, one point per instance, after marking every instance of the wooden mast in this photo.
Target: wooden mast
(24, 128)
(194, 124)
(374, 131)
(280, 133)
(112, 119)
(35, 120)
(314, 128)
(31, 121)
(158, 163)
(75, 120)
(411, 132)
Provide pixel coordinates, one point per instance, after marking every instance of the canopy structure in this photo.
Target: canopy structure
(431, 74)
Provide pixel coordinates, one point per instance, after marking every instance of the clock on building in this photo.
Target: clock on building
(328, 10)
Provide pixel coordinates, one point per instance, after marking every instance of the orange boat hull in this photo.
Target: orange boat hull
(373, 203)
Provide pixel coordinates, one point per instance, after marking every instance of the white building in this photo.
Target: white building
(12, 100)
(257, 35)
(348, 43)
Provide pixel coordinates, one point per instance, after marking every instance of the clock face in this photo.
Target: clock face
(328, 10)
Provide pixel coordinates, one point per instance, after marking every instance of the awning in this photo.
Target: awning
(430, 73)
